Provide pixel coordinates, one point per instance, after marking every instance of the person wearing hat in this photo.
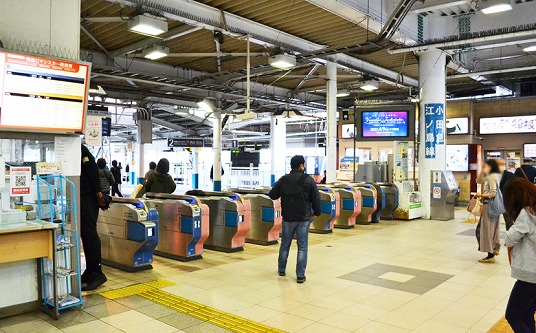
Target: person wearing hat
(526, 170)
(300, 202)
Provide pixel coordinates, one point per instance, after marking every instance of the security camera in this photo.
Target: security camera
(479, 138)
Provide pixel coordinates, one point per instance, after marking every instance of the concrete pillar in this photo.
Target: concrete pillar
(141, 163)
(278, 144)
(331, 144)
(216, 146)
(195, 168)
(432, 78)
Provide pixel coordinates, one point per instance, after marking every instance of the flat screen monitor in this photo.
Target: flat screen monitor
(42, 94)
(385, 124)
(457, 126)
(457, 157)
(347, 131)
(529, 150)
(506, 125)
(106, 126)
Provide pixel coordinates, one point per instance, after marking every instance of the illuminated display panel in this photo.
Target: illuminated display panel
(529, 150)
(42, 94)
(505, 125)
(390, 124)
(457, 126)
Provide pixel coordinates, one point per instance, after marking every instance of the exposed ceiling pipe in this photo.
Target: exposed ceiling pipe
(496, 71)
(215, 54)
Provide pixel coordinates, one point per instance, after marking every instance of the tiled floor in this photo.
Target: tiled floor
(416, 276)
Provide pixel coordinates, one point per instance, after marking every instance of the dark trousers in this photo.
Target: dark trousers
(508, 220)
(89, 212)
(115, 190)
(521, 307)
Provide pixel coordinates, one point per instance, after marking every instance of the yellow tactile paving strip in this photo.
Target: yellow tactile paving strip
(502, 326)
(152, 292)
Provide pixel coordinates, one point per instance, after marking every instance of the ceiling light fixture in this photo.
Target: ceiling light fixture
(370, 85)
(495, 6)
(531, 48)
(206, 105)
(155, 52)
(343, 94)
(147, 25)
(282, 61)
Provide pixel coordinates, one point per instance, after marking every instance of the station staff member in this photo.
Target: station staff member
(91, 199)
(300, 201)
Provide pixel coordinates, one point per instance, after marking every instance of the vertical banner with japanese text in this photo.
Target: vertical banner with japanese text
(434, 118)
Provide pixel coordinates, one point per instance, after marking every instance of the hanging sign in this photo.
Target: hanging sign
(93, 133)
(20, 180)
(434, 121)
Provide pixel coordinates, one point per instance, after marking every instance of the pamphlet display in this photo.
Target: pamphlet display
(41, 94)
(505, 125)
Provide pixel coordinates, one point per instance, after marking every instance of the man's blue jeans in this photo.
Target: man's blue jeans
(301, 229)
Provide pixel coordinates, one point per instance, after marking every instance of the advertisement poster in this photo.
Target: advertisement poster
(20, 180)
(385, 124)
(401, 160)
(457, 126)
(347, 165)
(68, 154)
(504, 125)
(434, 115)
(347, 131)
(457, 157)
(93, 133)
(529, 150)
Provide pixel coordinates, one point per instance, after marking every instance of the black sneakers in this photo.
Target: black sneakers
(282, 273)
(301, 279)
(95, 283)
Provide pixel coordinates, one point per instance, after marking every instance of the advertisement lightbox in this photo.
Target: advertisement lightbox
(42, 94)
(457, 125)
(347, 131)
(529, 150)
(457, 157)
(506, 125)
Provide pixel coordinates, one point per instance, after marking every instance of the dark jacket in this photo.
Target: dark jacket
(106, 180)
(530, 171)
(310, 194)
(116, 172)
(506, 176)
(160, 183)
(212, 172)
(89, 175)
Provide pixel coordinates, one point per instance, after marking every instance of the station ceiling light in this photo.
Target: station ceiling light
(495, 6)
(370, 85)
(147, 25)
(155, 52)
(282, 61)
(206, 105)
(343, 94)
(531, 48)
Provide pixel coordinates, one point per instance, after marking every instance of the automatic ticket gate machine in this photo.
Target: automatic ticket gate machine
(369, 202)
(443, 195)
(229, 219)
(350, 205)
(266, 218)
(391, 200)
(129, 234)
(330, 208)
(183, 225)
(380, 204)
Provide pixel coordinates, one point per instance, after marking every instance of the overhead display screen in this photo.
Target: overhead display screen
(41, 94)
(457, 157)
(505, 125)
(529, 150)
(385, 124)
(457, 126)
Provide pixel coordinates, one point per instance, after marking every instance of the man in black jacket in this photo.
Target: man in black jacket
(300, 201)
(506, 176)
(90, 201)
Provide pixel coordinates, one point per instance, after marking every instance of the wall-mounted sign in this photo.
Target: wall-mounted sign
(347, 131)
(401, 160)
(504, 125)
(189, 143)
(529, 150)
(93, 132)
(229, 144)
(434, 115)
(457, 157)
(457, 125)
(20, 180)
(42, 94)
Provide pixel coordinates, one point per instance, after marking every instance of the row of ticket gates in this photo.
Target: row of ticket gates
(181, 226)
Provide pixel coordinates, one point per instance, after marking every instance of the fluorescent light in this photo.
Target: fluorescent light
(282, 61)
(146, 25)
(343, 94)
(206, 105)
(495, 6)
(531, 48)
(155, 52)
(370, 85)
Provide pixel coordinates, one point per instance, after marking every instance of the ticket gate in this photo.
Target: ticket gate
(380, 203)
(229, 219)
(266, 219)
(183, 225)
(330, 208)
(129, 234)
(369, 202)
(351, 202)
(391, 200)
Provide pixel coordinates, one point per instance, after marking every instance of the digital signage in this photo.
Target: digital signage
(42, 94)
(505, 125)
(457, 126)
(385, 124)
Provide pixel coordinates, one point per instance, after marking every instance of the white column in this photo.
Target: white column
(195, 168)
(331, 144)
(141, 163)
(432, 113)
(278, 144)
(216, 146)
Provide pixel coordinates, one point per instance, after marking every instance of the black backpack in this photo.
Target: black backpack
(292, 200)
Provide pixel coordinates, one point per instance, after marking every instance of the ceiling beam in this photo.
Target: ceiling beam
(431, 5)
(309, 74)
(495, 71)
(94, 40)
(173, 126)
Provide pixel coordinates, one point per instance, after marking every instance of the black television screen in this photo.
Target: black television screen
(385, 124)
(106, 126)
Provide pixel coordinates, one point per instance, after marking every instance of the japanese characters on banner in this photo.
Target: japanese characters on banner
(20, 180)
(401, 160)
(434, 118)
(93, 131)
